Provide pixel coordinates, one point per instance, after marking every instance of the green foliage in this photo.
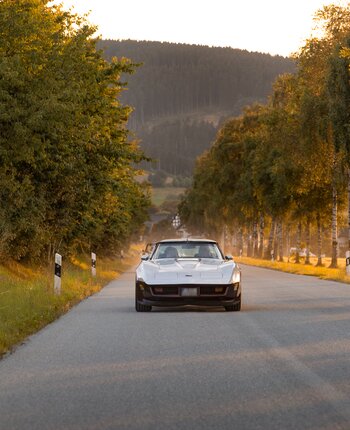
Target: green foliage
(338, 87)
(176, 144)
(178, 78)
(222, 191)
(286, 160)
(182, 181)
(65, 159)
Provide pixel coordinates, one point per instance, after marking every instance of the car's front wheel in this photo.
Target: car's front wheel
(140, 307)
(234, 308)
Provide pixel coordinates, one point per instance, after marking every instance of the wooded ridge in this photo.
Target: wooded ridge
(181, 93)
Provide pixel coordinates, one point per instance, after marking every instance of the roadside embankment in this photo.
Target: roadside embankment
(27, 299)
(323, 272)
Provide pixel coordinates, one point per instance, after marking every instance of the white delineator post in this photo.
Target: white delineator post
(347, 255)
(58, 274)
(93, 264)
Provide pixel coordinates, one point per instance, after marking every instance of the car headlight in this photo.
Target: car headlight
(141, 284)
(236, 277)
(235, 286)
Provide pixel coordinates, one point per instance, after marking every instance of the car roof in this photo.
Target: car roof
(190, 239)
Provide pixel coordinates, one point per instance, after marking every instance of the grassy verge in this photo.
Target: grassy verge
(27, 301)
(301, 269)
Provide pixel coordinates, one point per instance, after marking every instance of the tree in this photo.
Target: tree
(326, 74)
(294, 157)
(65, 157)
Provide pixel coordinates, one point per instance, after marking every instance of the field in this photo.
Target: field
(160, 195)
(27, 300)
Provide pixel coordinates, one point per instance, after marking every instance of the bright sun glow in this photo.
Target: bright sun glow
(273, 26)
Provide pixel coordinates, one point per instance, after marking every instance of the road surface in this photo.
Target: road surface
(281, 363)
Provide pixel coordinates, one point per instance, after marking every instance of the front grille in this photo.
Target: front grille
(164, 290)
(175, 290)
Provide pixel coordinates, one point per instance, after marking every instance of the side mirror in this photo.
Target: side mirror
(144, 257)
(228, 257)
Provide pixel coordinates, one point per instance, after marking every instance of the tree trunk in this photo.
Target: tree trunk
(240, 241)
(280, 241)
(288, 242)
(271, 237)
(261, 236)
(307, 258)
(348, 209)
(255, 239)
(319, 241)
(222, 240)
(297, 256)
(275, 246)
(334, 262)
(250, 247)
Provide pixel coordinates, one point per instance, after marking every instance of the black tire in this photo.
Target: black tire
(142, 308)
(234, 308)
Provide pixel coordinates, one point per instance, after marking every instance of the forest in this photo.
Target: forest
(181, 93)
(67, 165)
(283, 167)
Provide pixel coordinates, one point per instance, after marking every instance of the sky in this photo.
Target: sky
(278, 27)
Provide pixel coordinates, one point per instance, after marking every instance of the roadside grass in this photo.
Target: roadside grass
(323, 272)
(27, 300)
(159, 195)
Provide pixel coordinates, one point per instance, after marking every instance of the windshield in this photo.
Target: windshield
(187, 250)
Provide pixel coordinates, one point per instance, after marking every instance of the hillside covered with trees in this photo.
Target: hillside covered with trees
(181, 93)
(284, 165)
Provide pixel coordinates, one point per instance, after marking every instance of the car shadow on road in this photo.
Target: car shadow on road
(188, 309)
(131, 309)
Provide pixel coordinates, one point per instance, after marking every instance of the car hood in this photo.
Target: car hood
(185, 271)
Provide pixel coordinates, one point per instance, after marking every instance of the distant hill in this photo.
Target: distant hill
(182, 92)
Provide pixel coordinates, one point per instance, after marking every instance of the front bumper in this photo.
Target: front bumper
(171, 295)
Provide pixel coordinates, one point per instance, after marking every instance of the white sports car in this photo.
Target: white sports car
(187, 272)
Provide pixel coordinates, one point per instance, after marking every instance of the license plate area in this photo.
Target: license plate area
(189, 292)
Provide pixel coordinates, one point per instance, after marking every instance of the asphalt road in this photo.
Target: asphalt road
(281, 363)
